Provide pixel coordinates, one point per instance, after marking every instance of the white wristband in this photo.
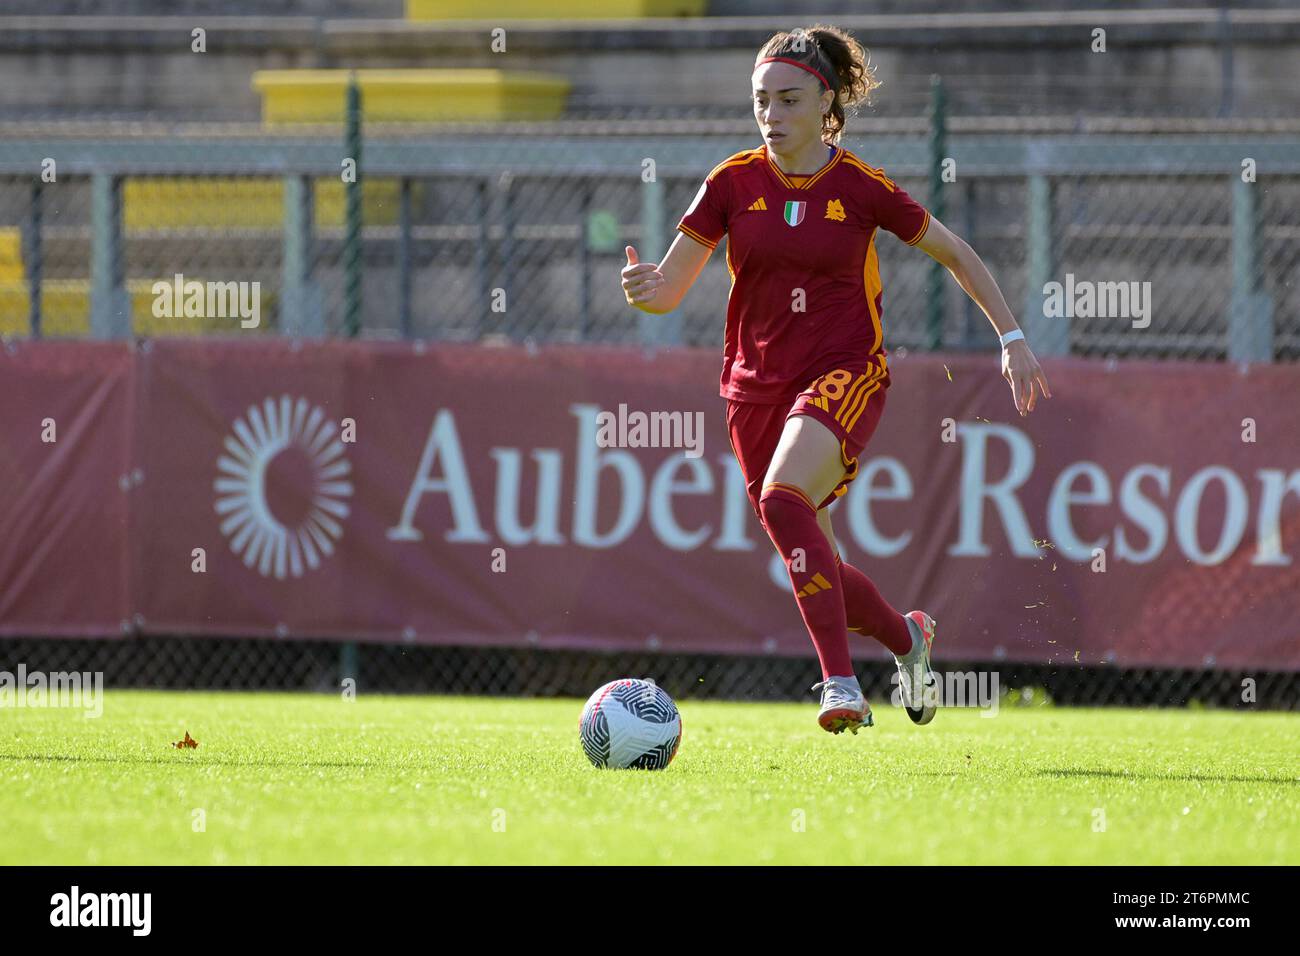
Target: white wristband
(1010, 337)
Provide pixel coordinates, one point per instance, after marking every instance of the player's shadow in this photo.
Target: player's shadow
(1198, 777)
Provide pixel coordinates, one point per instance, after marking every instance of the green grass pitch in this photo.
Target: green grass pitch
(286, 778)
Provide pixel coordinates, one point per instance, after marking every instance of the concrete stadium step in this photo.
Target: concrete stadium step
(411, 95)
(788, 10)
(1197, 62)
(812, 11)
(267, 9)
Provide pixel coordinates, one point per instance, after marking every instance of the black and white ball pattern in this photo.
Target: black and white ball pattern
(630, 723)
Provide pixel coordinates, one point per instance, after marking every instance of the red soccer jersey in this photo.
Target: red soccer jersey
(799, 242)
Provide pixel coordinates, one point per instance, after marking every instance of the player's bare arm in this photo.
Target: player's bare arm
(660, 287)
(1019, 367)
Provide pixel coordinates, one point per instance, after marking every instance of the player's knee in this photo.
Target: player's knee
(784, 509)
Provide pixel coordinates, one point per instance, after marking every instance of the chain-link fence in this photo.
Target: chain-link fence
(322, 667)
(523, 239)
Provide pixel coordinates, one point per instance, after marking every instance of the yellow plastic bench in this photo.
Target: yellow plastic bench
(65, 303)
(11, 255)
(554, 10)
(65, 311)
(410, 96)
(155, 203)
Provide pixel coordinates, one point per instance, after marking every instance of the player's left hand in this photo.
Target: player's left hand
(1024, 375)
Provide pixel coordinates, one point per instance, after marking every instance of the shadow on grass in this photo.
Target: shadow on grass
(1162, 777)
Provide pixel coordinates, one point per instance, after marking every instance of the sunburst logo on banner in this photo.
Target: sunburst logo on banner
(282, 486)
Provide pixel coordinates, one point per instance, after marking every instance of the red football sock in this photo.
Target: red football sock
(868, 613)
(791, 523)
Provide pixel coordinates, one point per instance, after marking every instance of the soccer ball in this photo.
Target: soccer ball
(630, 723)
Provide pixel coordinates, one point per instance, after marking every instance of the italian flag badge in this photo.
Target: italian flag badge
(794, 212)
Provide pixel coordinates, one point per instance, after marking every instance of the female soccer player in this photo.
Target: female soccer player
(804, 370)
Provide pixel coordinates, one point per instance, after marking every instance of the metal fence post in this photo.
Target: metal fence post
(505, 181)
(348, 663)
(110, 307)
(352, 235)
(300, 312)
(404, 259)
(1250, 309)
(584, 261)
(32, 256)
(482, 259)
(938, 274)
(655, 331)
(1047, 335)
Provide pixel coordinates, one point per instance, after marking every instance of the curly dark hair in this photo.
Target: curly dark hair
(840, 58)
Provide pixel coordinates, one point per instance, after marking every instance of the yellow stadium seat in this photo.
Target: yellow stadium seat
(65, 311)
(11, 255)
(410, 96)
(554, 10)
(153, 203)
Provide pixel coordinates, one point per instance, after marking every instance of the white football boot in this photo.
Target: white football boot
(916, 681)
(844, 706)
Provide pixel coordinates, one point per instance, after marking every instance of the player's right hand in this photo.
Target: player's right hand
(641, 280)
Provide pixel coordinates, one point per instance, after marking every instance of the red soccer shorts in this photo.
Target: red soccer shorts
(849, 403)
